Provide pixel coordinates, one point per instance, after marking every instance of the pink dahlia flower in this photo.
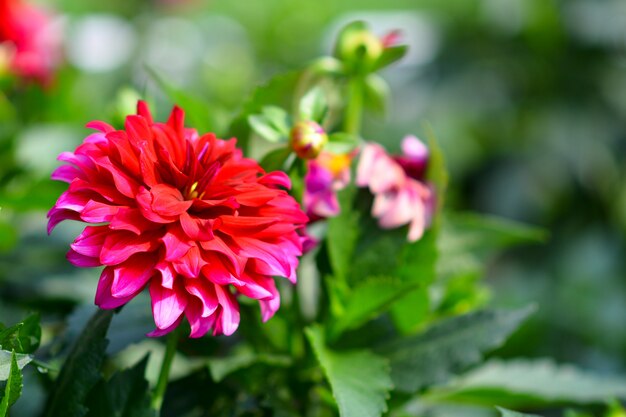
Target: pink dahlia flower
(326, 175)
(400, 194)
(185, 215)
(30, 40)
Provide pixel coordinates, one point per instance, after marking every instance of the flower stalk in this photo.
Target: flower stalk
(354, 108)
(170, 351)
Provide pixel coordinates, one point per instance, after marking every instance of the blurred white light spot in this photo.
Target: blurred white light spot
(100, 43)
(39, 145)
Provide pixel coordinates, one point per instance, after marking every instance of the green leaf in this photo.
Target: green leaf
(341, 143)
(197, 110)
(376, 93)
(448, 347)
(531, 383)
(343, 233)
(263, 128)
(389, 56)
(313, 106)
(81, 370)
(241, 359)
(22, 337)
(368, 300)
(13, 388)
(126, 394)
(6, 359)
(277, 91)
(508, 413)
(275, 160)
(359, 379)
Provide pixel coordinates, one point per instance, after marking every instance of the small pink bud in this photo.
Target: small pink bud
(307, 139)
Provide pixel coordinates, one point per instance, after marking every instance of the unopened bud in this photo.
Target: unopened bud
(307, 139)
(360, 47)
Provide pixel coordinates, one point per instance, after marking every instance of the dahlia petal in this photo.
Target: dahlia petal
(81, 260)
(276, 178)
(253, 289)
(130, 219)
(190, 264)
(167, 274)
(218, 245)
(205, 293)
(96, 212)
(229, 317)
(71, 201)
(144, 200)
(195, 228)
(199, 324)
(130, 277)
(144, 111)
(65, 173)
(167, 304)
(270, 305)
(266, 253)
(163, 332)
(176, 243)
(104, 298)
(56, 216)
(100, 126)
(90, 241)
(168, 201)
(216, 272)
(243, 225)
(119, 245)
(256, 197)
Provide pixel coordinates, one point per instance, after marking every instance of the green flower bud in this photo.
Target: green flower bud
(307, 139)
(359, 48)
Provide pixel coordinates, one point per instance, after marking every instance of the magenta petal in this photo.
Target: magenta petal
(168, 201)
(270, 305)
(276, 178)
(190, 264)
(205, 293)
(176, 243)
(229, 318)
(199, 324)
(104, 298)
(118, 246)
(90, 241)
(130, 277)
(81, 260)
(65, 173)
(167, 305)
(96, 212)
(56, 216)
(163, 332)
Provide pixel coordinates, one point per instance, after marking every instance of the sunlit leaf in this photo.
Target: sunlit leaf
(13, 387)
(359, 379)
(448, 347)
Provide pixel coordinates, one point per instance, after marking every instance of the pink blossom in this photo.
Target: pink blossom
(186, 216)
(400, 196)
(30, 40)
(326, 175)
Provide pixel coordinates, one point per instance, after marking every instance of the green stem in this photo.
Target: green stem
(354, 109)
(170, 352)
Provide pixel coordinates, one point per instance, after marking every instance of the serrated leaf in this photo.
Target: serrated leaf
(5, 363)
(532, 383)
(22, 337)
(368, 300)
(508, 413)
(81, 369)
(359, 379)
(126, 394)
(241, 359)
(448, 347)
(13, 388)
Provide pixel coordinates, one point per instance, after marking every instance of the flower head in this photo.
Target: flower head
(29, 39)
(400, 194)
(326, 175)
(185, 215)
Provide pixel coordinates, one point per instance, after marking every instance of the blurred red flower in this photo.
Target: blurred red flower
(186, 215)
(29, 40)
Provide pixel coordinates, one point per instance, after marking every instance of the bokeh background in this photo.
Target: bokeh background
(527, 99)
